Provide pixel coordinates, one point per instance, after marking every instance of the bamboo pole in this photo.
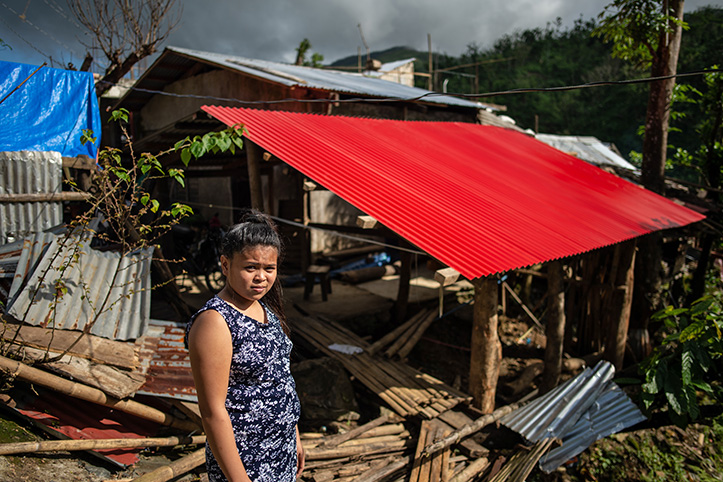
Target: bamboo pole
(394, 334)
(417, 335)
(335, 440)
(90, 394)
(176, 468)
(96, 444)
(381, 473)
(472, 470)
(467, 430)
(44, 197)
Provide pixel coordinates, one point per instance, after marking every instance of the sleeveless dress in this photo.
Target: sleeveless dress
(261, 401)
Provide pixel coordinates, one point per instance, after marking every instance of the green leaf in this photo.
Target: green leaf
(87, 136)
(692, 331)
(186, 156)
(686, 366)
(155, 205)
(197, 149)
(120, 114)
(145, 198)
(145, 168)
(238, 141)
(701, 306)
(223, 142)
(180, 143)
(209, 142)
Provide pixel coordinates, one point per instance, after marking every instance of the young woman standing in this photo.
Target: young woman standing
(239, 352)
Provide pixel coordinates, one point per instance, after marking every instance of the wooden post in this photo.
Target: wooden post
(622, 297)
(405, 275)
(430, 86)
(486, 347)
(555, 329)
(253, 164)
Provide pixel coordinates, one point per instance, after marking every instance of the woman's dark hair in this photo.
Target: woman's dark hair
(257, 229)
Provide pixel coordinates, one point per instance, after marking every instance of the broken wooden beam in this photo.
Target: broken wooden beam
(175, 469)
(468, 430)
(29, 374)
(97, 444)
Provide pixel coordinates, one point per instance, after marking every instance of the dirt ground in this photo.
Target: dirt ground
(444, 353)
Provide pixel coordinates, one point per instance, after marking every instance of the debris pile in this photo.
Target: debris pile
(111, 380)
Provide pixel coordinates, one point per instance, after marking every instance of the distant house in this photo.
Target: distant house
(400, 71)
(587, 148)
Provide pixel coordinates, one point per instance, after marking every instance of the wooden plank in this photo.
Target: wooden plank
(95, 348)
(44, 197)
(111, 380)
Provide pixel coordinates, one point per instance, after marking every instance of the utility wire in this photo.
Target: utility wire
(25, 20)
(523, 90)
(305, 226)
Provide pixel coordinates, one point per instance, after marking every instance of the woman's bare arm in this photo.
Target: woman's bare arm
(210, 348)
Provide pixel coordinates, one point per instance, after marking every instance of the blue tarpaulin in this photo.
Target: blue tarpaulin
(49, 111)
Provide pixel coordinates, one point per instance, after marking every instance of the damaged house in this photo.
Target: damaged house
(435, 176)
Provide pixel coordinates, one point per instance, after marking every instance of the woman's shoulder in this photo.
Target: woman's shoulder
(213, 308)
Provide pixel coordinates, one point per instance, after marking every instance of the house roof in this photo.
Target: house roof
(587, 148)
(481, 199)
(176, 61)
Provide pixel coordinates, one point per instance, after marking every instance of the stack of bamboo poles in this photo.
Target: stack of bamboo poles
(407, 391)
(381, 450)
(405, 337)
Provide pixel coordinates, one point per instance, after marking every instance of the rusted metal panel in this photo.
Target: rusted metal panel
(29, 172)
(69, 418)
(165, 361)
(481, 199)
(107, 294)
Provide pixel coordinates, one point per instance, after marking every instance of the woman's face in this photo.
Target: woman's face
(251, 272)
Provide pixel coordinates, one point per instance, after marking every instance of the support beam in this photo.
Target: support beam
(486, 347)
(253, 164)
(555, 329)
(405, 276)
(621, 304)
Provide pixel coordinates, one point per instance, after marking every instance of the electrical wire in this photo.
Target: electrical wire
(25, 20)
(304, 226)
(26, 41)
(524, 90)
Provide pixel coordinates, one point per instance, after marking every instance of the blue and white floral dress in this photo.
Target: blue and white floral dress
(261, 400)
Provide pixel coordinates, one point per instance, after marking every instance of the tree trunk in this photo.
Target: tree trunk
(646, 293)
(555, 329)
(655, 144)
(486, 347)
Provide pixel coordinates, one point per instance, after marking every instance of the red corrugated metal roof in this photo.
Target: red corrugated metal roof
(481, 199)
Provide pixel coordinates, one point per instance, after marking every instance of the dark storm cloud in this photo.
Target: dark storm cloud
(272, 29)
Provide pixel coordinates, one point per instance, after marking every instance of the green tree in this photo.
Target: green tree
(648, 33)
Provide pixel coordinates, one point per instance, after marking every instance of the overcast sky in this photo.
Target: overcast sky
(272, 29)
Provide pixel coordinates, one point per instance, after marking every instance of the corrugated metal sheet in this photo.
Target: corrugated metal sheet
(32, 249)
(587, 148)
(105, 285)
(70, 418)
(481, 199)
(612, 412)
(323, 79)
(165, 362)
(554, 414)
(580, 411)
(29, 172)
